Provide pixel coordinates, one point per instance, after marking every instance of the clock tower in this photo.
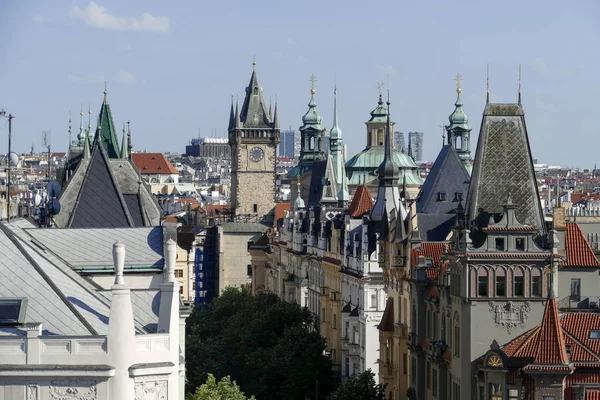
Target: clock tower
(253, 137)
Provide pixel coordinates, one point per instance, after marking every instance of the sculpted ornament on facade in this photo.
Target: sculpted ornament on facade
(151, 390)
(73, 389)
(32, 392)
(509, 316)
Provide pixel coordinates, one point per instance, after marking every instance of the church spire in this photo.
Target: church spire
(276, 116)
(124, 144)
(81, 134)
(336, 149)
(312, 131)
(459, 131)
(106, 132)
(231, 116)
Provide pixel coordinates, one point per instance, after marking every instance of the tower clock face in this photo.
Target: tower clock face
(256, 154)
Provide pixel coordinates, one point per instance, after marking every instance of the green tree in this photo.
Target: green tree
(224, 390)
(360, 387)
(264, 344)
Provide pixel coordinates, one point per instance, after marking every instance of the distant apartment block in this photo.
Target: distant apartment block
(399, 142)
(415, 145)
(209, 147)
(289, 145)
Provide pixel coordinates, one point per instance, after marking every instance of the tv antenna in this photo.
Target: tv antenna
(46, 142)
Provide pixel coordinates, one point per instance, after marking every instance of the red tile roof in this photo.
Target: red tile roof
(361, 202)
(387, 320)
(579, 251)
(280, 209)
(153, 163)
(432, 250)
(549, 346)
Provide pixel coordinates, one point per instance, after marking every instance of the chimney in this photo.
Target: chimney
(559, 218)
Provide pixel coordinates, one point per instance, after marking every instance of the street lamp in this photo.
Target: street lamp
(8, 166)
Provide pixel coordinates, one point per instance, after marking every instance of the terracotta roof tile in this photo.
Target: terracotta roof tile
(280, 209)
(579, 251)
(361, 202)
(153, 163)
(387, 320)
(432, 250)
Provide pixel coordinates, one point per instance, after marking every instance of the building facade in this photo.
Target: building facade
(415, 145)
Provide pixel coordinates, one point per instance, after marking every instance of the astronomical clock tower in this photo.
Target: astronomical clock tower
(253, 137)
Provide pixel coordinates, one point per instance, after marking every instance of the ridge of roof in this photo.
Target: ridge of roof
(153, 163)
(578, 249)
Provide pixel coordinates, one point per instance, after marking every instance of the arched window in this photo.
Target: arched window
(456, 338)
(311, 143)
(536, 283)
(255, 91)
(380, 137)
(500, 285)
(458, 142)
(482, 282)
(519, 282)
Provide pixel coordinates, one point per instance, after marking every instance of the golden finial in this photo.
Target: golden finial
(254, 61)
(312, 81)
(458, 78)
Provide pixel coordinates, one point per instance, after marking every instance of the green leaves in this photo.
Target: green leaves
(360, 387)
(224, 390)
(264, 344)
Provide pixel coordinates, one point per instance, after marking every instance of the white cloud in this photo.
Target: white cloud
(291, 42)
(125, 77)
(38, 18)
(87, 79)
(97, 16)
(539, 66)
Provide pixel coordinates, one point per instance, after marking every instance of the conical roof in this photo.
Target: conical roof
(106, 130)
(312, 118)
(458, 118)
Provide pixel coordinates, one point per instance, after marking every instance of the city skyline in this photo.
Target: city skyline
(58, 58)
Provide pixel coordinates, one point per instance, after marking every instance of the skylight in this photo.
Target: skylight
(595, 334)
(12, 311)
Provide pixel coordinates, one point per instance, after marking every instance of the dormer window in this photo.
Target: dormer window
(595, 334)
(255, 91)
(458, 196)
(441, 196)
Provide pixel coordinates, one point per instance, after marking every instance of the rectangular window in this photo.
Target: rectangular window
(434, 384)
(513, 394)
(374, 300)
(575, 289)
(519, 286)
(428, 375)
(347, 366)
(323, 315)
(181, 290)
(178, 273)
(255, 208)
(495, 391)
(536, 286)
(500, 285)
(347, 330)
(595, 334)
(193, 285)
(499, 244)
(458, 196)
(413, 371)
(405, 363)
(457, 341)
(334, 322)
(520, 244)
(249, 267)
(441, 196)
(482, 285)
(434, 332)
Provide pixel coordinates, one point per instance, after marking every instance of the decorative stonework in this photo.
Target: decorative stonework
(73, 389)
(151, 390)
(32, 392)
(510, 316)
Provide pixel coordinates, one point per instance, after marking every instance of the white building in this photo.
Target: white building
(64, 337)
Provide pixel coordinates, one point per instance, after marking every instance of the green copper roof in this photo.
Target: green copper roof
(379, 114)
(336, 131)
(106, 128)
(312, 118)
(458, 119)
(365, 166)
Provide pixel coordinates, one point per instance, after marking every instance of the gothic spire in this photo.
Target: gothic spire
(254, 113)
(276, 116)
(106, 132)
(231, 115)
(238, 122)
(335, 132)
(124, 145)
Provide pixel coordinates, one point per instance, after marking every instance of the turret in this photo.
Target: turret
(459, 131)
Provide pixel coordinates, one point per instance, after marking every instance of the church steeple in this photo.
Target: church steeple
(106, 131)
(254, 113)
(459, 131)
(336, 149)
(312, 132)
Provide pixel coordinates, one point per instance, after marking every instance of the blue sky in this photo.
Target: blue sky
(172, 67)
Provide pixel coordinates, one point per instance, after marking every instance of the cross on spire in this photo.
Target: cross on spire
(312, 81)
(458, 78)
(380, 88)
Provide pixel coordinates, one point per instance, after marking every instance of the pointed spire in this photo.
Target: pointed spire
(231, 115)
(270, 110)
(70, 132)
(335, 132)
(86, 149)
(105, 92)
(388, 170)
(519, 99)
(124, 145)
(487, 85)
(80, 136)
(129, 143)
(108, 134)
(276, 116)
(238, 123)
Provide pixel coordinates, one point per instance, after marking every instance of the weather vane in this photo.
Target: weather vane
(380, 87)
(458, 78)
(312, 81)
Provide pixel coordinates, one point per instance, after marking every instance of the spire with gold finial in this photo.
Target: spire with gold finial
(459, 131)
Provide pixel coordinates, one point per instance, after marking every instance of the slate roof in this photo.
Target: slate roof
(63, 301)
(503, 165)
(447, 175)
(255, 105)
(362, 202)
(153, 163)
(106, 193)
(435, 227)
(144, 246)
(578, 249)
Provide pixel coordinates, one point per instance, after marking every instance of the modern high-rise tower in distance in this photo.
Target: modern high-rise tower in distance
(415, 145)
(290, 144)
(399, 142)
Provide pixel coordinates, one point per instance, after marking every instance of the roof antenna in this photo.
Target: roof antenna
(487, 101)
(519, 101)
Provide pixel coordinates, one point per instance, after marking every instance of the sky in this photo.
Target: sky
(172, 67)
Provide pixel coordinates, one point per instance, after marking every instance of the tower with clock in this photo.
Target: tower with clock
(253, 137)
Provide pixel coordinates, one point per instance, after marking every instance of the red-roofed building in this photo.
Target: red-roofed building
(559, 359)
(155, 168)
(362, 202)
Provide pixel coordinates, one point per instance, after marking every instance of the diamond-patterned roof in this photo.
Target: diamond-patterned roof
(503, 166)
